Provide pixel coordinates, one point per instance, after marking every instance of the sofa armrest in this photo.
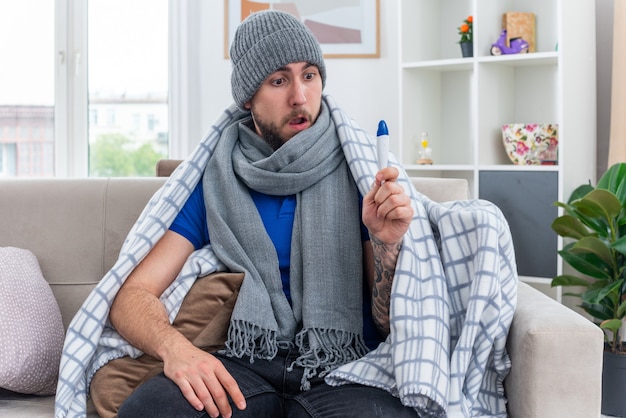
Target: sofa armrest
(556, 357)
(165, 167)
(442, 189)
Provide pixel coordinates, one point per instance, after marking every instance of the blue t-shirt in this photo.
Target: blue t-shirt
(277, 214)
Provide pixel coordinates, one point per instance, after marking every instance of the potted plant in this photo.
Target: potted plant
(594, 225)
(466, 41)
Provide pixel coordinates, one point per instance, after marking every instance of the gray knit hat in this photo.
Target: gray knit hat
(265, 42)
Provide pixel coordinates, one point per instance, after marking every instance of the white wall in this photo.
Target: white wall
(367, 89)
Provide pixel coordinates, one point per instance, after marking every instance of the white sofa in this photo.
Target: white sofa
(556, 353)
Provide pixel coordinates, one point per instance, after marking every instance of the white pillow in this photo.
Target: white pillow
(31, 328)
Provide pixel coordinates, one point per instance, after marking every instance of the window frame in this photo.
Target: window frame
(71, 107)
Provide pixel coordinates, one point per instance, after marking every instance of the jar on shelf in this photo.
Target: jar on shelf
(424, 153)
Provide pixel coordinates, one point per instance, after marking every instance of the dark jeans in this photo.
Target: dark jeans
(270, 391)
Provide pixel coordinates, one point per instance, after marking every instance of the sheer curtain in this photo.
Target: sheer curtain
(617, 145)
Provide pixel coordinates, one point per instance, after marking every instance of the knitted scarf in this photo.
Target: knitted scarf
(325, 318)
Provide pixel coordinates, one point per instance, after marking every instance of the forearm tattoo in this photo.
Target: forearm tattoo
(385, 258)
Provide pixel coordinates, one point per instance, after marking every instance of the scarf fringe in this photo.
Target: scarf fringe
(326, 349)
(247, 339)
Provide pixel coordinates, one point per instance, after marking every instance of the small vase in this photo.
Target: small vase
(467, 49)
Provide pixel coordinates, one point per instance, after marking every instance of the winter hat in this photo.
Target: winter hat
(265, 42)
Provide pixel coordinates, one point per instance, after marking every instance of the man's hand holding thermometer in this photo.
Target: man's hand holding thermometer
(387, 210)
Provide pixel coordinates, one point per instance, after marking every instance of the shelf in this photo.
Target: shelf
(514, 60)
(513, 167)
(470, 167)
(533, 279)
(463, 103)
(459, 64)
(438, 167)
(522, 60)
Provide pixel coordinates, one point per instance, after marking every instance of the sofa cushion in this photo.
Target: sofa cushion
(203, 318)
(30, 324)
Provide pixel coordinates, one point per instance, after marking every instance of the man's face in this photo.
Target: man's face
(288, 101)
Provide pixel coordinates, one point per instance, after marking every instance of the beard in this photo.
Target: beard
(270, 132)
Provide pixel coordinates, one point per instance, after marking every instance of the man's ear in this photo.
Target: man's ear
(247, 105)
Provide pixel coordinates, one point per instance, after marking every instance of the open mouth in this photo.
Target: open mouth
(298, 120)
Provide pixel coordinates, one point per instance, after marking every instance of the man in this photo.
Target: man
(278, 202)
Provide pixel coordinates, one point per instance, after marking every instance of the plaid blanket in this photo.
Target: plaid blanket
(453, 296)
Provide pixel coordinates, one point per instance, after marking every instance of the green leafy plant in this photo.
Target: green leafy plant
(465, 30)
(594, 224)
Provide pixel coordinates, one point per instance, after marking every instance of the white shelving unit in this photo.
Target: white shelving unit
(463, 102)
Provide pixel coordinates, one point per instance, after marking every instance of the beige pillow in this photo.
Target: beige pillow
(31, 327)
(203, 318)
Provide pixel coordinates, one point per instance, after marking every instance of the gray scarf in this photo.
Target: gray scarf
(326, 277)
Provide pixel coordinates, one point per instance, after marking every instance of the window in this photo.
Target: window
(84, 90)
(27, 88)
(128, 85)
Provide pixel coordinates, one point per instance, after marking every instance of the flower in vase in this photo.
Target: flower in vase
(465, 30)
